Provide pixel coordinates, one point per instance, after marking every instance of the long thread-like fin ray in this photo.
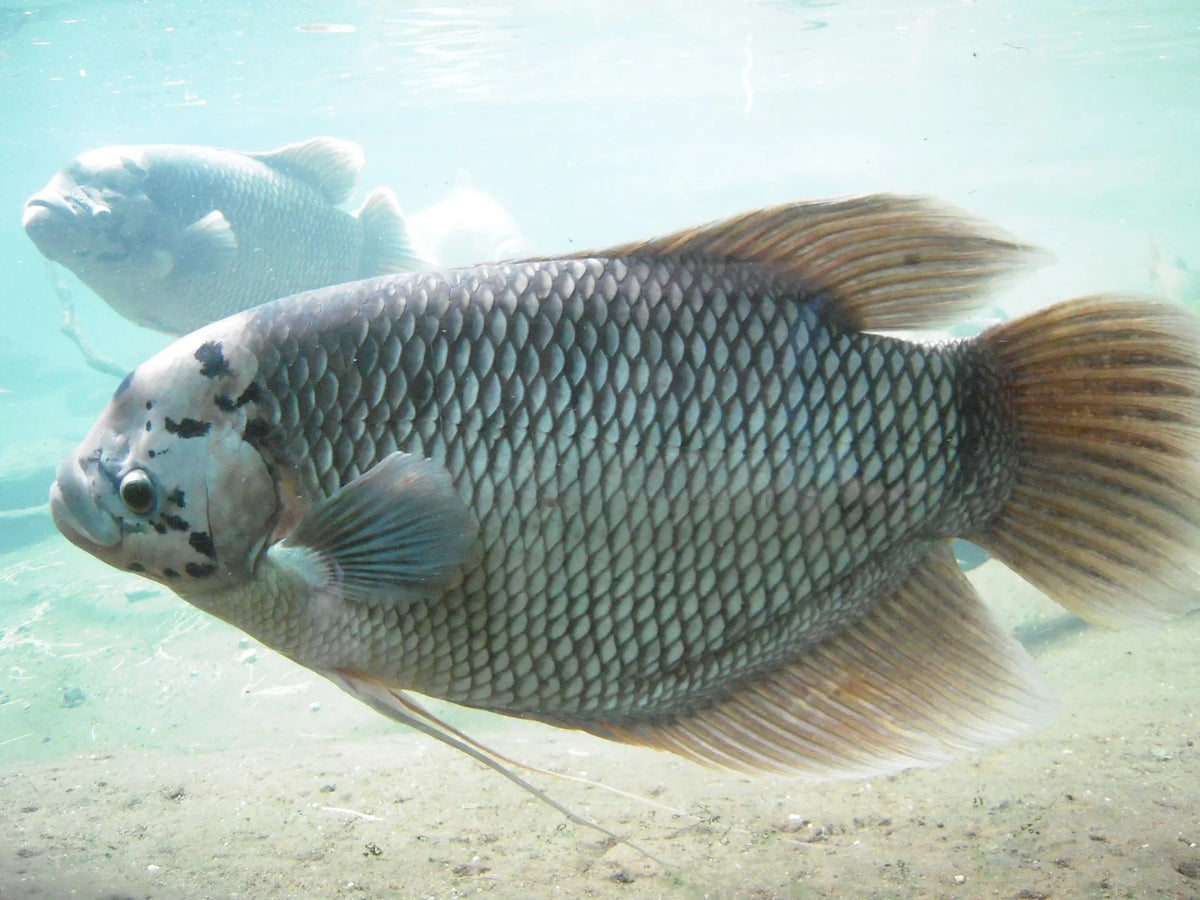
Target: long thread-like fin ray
(397, 705)
(406, 700)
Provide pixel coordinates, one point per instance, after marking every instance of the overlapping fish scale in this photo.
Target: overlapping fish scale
(648, 448)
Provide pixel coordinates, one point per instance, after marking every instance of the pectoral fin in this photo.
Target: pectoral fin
(397, 534)
(208, 245)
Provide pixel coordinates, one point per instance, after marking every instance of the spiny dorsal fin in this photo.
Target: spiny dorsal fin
(888, 261)
(328, 165)
(925, 676)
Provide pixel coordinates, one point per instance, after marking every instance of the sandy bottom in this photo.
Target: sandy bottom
(149, 752)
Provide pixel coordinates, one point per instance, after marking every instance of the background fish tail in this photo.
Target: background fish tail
(1105, 512)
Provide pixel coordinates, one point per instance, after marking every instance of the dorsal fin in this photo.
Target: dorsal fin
(887, 261)
(328, 165)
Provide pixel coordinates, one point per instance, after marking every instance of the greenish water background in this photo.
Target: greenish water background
(1075, 126)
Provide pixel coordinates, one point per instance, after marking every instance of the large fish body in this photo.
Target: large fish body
(678, 493)
(176, 236)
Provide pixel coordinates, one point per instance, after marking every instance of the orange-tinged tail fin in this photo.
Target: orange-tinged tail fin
(1104, 517)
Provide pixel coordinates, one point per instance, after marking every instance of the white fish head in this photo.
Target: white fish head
(95, 214)
(165, 484)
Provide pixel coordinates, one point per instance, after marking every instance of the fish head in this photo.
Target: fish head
(96, 215)
(166, 484)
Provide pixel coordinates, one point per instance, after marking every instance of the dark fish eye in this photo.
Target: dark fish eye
(137, 492)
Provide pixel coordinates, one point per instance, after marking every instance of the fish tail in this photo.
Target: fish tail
(388, 242)
(1104, 515)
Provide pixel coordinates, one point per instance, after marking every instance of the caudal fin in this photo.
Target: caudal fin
(388, 243)
(1105, 514)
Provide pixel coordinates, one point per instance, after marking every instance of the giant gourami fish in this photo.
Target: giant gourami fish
(175, 236)
(686, 493)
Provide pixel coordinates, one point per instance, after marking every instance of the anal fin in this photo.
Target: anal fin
(924, 677)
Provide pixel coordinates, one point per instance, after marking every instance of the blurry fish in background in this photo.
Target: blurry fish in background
(1174, 279)
(175, 236)
(467, 227)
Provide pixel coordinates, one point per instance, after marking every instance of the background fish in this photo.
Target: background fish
(677, 493)
(466, 227)
(1175, 279)
(174, 237)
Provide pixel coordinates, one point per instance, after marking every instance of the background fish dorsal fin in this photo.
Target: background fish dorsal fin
(329, 165)
(925, 676)
(888, 261)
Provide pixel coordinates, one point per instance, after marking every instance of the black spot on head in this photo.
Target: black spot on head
(136, 567)
(227, 404)
(200, 570)
(170, 573)
(202, 543)
(187, 428)
(212, 360)
(123, 386)
(176, 497)
(148, 427)
(176, 523)
(159, 527)
(152, 453)
(149, 404)
(256, 430)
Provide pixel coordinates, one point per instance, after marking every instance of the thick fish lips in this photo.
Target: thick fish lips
(80, 519)
(54, 216)
(46, 221)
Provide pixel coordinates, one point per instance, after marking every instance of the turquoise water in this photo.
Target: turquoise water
(1074, 126)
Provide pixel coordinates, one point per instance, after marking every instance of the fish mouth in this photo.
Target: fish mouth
(39, 208)
(76, 514)
(46, 222)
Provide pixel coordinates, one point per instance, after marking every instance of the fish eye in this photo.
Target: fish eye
(137, 492)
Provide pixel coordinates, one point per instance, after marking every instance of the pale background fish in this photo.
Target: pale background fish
(467, 226)
(173, 237)
(1175, 279)
(1074, 126)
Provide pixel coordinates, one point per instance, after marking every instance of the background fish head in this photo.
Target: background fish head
(95, 216)
(165, 483)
